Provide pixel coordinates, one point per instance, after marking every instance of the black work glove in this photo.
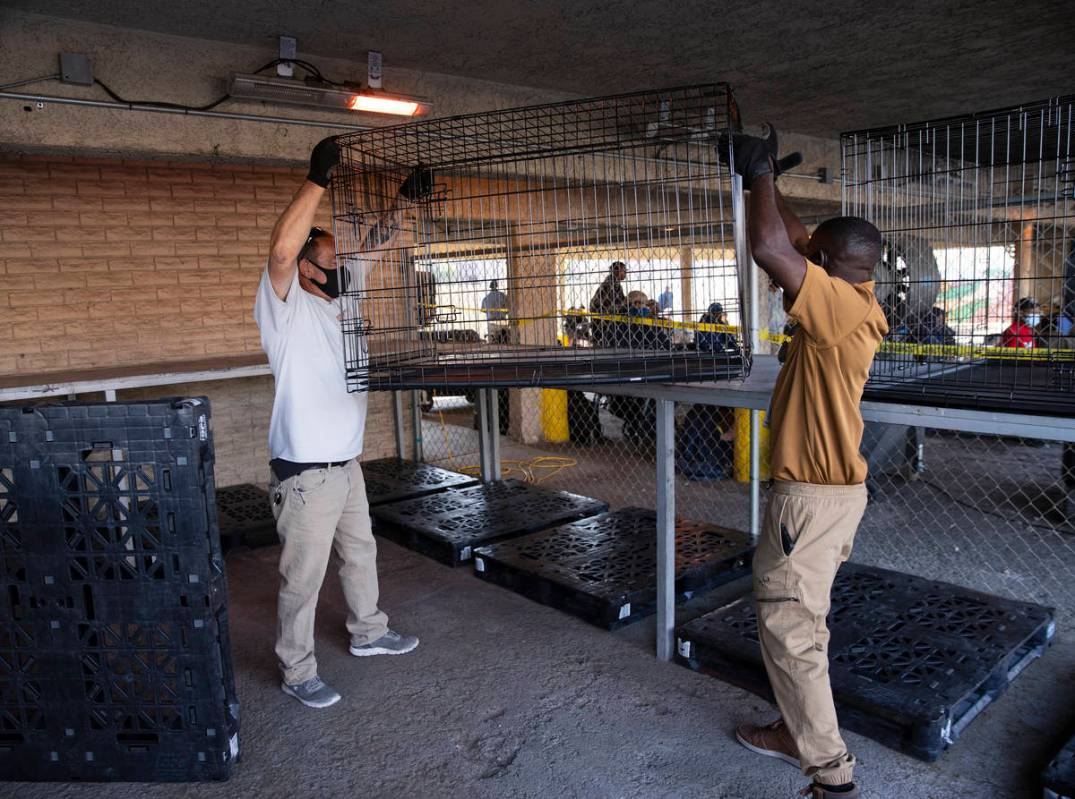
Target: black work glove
(323, 159)
(751, 153)
(418, 185)
(787, 163)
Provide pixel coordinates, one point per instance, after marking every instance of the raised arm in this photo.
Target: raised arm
(418, 184)
(293, 227)
(770, 237)
(797, 234)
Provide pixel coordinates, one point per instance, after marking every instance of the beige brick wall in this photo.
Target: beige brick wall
(117, 262)
(122, 262)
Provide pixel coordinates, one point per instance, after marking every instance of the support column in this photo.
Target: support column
(1024, 264)
(484, 459)
(685, 310)
(397, 416)
(666, 529)
(532, 298)
(416, 423)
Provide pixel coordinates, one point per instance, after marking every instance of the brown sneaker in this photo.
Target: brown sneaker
(772, 740)
(818, 791)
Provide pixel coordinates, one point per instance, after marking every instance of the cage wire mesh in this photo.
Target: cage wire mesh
(978, 273)
(576, 242)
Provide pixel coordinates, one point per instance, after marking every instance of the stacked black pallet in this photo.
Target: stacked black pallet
(912, 661)
(395, 479)
(448, 525)
(604, 569)
(114, 654)
(245, 517)
(1058, 779)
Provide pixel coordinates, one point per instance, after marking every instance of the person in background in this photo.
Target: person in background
(495, 307)
(714, 340)
(631, 335)
(665, 299)
(1021, 332)
(608, 300)
(933, 328)
(1059, 323)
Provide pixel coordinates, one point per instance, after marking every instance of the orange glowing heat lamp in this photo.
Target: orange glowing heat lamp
(378, 104)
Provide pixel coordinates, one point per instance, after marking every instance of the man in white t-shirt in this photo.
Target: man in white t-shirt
(315, 435)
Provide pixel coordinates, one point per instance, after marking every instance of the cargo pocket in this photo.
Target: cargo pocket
(773, 576)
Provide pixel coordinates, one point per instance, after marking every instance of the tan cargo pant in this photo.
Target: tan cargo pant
(807, 533)
(317, 511)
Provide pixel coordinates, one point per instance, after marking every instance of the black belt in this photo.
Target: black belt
(284, 469)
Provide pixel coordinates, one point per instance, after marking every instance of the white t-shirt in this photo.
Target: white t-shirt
(313, 417)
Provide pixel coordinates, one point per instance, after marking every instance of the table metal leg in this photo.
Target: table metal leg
(666, 529)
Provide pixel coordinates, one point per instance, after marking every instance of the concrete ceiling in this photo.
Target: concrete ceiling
(813, 67)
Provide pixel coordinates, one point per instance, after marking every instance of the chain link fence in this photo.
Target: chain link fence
(989, 512)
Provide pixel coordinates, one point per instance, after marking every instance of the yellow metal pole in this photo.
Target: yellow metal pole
(742, 446)
(554, 426)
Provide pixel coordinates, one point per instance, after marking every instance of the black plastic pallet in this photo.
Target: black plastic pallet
(395, 479)
(245, 516)
(912, 661)
(114, 646)
(604, 569)
(448, 525)
(1058, 779)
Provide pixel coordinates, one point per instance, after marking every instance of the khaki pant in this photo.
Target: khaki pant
(807, 533)
(317, 511)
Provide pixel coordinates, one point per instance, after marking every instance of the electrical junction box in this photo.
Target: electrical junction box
(75, 68)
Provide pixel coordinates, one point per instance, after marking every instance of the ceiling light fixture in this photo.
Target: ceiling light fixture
(322, 95)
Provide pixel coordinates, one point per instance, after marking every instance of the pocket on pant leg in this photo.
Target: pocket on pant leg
(280, 497)
(773, 576)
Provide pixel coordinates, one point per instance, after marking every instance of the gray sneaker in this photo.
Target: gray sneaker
(391, 643)
(312, 693)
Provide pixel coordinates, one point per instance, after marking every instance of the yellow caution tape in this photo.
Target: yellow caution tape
(966, 351)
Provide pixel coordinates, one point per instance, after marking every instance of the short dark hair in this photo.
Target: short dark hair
(859, 239)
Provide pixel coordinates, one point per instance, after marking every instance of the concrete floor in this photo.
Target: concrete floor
(507, 698)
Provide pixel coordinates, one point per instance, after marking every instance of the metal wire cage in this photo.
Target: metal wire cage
(579, 242)
(978, 272)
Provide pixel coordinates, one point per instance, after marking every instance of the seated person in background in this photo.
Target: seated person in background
(932, 328)
(576, 326)
(1057, 323)
(1021, 332)
(711, 340)
(656, 337)
(629, 335)
(608, 300)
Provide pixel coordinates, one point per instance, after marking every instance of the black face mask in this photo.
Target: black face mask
(336, 280)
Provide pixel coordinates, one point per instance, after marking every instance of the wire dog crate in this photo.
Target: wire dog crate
(577, 242)
(978, 272)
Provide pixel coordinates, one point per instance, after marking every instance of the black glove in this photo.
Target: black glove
(323, 159)
(751, 153)
(418, 185)
(787, 163)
